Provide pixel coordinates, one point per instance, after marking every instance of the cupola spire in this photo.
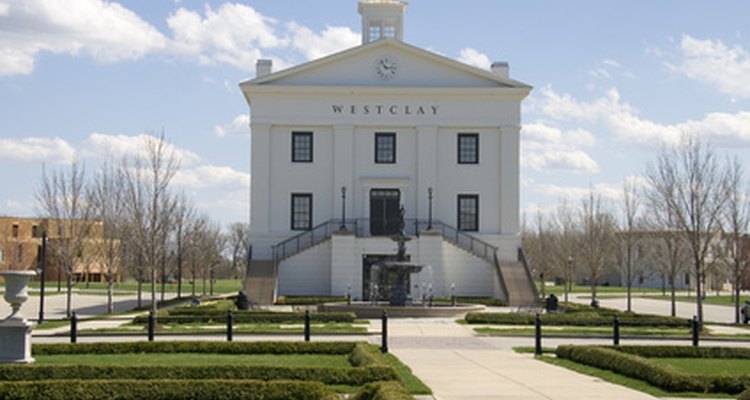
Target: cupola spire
(382, 19)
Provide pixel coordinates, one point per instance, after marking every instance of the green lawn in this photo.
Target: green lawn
(100, 288)
(276, 360)
(618, 379)
(559, 291)
(331, 327)
(577, 330)
(724, 300)
(708, 366)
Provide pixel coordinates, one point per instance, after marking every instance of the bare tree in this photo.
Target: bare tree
(566, 245)
(238, 243)
(62, 198)
(182, 216)
(538, 248)
(106, 195)
(597, 246)
(735, 222)
(689, 182)
(148, 182)
(628, 237)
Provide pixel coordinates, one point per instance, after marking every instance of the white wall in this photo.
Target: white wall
(307, 273)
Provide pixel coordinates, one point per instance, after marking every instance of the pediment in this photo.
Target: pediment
(357, 67)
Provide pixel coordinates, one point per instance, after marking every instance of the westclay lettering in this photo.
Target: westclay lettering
(384, 109)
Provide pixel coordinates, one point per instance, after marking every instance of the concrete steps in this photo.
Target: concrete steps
(260, 283)
(517, 282)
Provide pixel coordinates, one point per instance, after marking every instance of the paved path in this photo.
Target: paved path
(711, 312)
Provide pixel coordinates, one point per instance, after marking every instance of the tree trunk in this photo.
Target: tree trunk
(736, 303)
(699, 297)
(663, 285)
(673, 299)
(140, 293)
(69, 296)
(630, 298)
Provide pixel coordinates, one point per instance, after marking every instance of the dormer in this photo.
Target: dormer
(382, 19)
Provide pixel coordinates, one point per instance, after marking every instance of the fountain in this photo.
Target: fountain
(398, 271)
(15, 330)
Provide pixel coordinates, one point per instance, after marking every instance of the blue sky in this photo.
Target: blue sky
(614, 81)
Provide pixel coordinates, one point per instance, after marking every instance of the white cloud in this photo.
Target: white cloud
(611, 63)
(473, 57)
(98, 145)
(545, 148)
(106, 30)
(606, 190)
(716, 64)
(234, 34)
(315, 45)
(723, 128)
(37, 149)
(212, 176)
(240, 125)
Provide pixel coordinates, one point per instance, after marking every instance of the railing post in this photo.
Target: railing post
(230, 326)
(384, 330)
(616, 331)
(695, 328)
(73, 328)
(538, 335)
(307, 325)
(151, 321)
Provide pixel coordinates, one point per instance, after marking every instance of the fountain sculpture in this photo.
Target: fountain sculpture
(400, 269)
(15, 330)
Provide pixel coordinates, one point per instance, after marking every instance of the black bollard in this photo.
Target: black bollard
(73, 328)
(151, 323)
(230, 325)
(384, 344)
(616, 331)
(538, 335)
(307, 325)
(695, 328)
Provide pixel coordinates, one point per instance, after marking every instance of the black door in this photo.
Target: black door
(384, 212)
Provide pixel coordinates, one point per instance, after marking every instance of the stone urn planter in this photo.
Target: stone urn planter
(15, 331)
(16, 283)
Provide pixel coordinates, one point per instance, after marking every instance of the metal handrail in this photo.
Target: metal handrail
(304, 240)
(523, 261)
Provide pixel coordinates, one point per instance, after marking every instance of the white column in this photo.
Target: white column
(509, 180)
(260, 186)
(343, 169)
(426, 169)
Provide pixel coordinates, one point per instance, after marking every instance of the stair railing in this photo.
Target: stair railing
(522, 260)
(304, 240)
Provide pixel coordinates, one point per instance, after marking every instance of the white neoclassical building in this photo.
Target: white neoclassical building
(339, 144)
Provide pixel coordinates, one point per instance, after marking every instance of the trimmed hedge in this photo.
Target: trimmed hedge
(382, 391)
(191, 315)
(196, 347)
(684, 351)
(581, 318)
(369, 365)
(164, 390)
(308, 300)
(663, 376)
(355, 376)
(744, 395)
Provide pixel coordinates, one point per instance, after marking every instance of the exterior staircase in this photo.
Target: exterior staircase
(260, 283)
(514, 277)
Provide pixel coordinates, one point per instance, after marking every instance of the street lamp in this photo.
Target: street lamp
(42, 267)
(429, 220)
(569, 275)
(343, 209)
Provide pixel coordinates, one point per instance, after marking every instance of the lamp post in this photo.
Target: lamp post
(41, 283)
(343, 209)
(429, 198)
(568, 275)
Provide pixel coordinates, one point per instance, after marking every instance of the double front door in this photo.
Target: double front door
(384, 212)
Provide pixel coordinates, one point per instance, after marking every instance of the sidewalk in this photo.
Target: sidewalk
(457, 365)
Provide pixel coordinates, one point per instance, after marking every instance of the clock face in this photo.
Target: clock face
(386, 67)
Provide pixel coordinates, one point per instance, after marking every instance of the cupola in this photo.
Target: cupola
(382, 19)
